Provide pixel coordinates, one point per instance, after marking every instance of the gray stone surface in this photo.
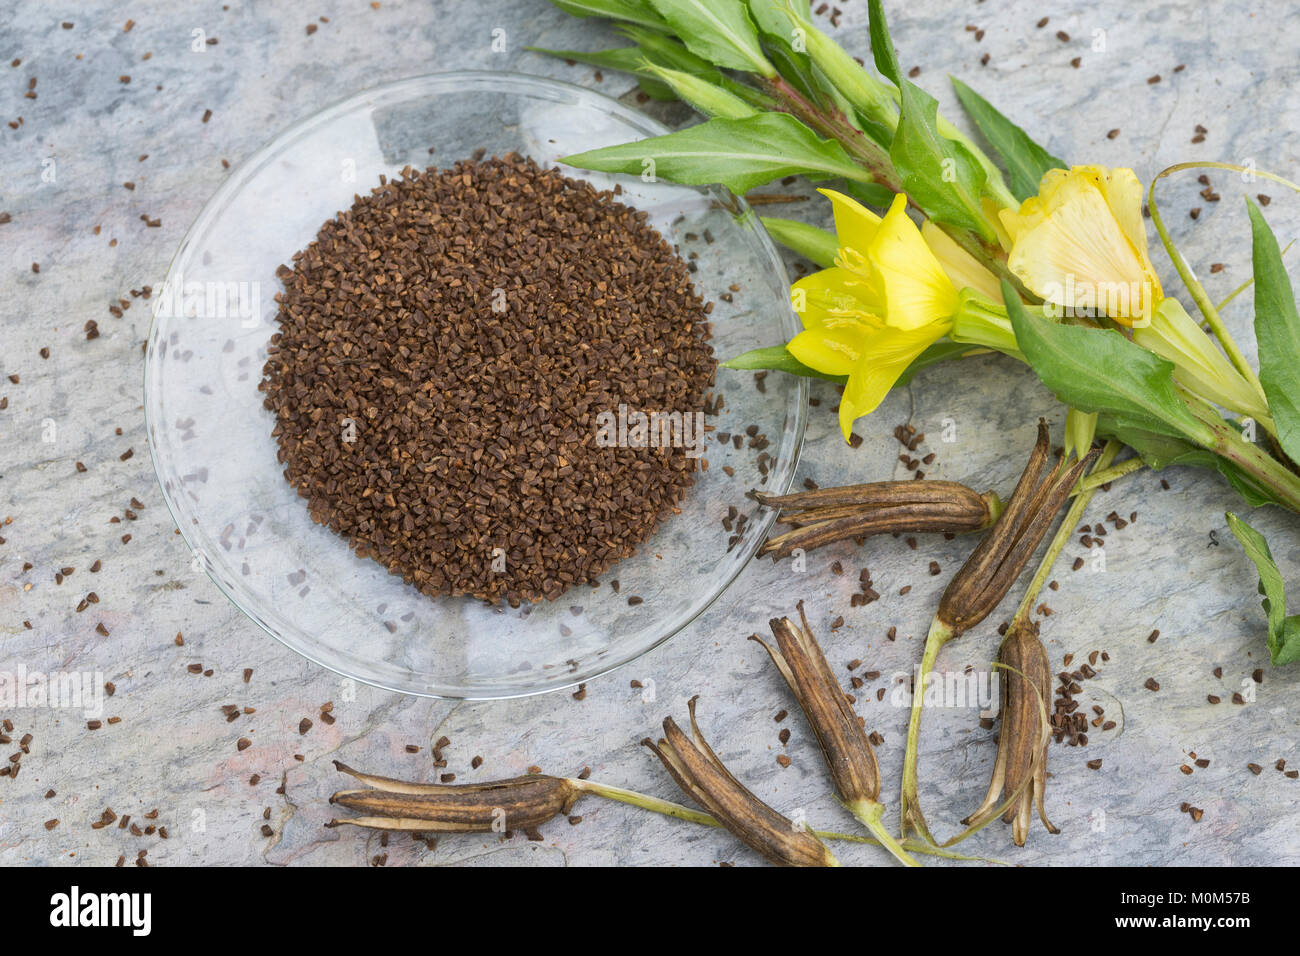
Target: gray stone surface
(1176, 568)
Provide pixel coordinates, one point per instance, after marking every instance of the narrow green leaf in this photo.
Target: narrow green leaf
(776, 30)
(882, 46)
(941, 175)
(1252, 490)
(1098, 370)
(812, 243)
(778, 358)
(1283, 631)
(1271, 584)
(1277, 330)
(666, 51)
(631, 11)
(741, 154)
(1025, 160)
(627, 59)
(718, 30)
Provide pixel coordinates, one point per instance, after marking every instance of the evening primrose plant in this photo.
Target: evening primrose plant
(1010, 250)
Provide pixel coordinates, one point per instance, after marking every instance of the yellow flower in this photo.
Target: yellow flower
(886, 300)
(1081, 245)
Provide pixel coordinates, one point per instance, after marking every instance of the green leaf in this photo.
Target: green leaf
(1288, 645)
(778, 358)
(943, 171)
(1156, 451)
(631, 11)
(741, 154)
(666, 51)
(1277, 329)
(627, 59)
(1283, 631)
(1160, 451)
(941, 175)
(1025, 160)
(882, 47)
(777, 33)
(718, 30)
(1099, 370)
(818, 245)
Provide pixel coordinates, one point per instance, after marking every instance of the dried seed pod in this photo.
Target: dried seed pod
(843, 741)
(1001, 555)
(519, 803)
(883, 507)
(841, 735)
(984, 581)
(1020, 772)
(702, 776)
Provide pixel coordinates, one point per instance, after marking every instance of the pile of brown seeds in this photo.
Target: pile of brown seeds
(445, 348)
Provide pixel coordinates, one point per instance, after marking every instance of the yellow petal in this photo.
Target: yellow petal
(832, 351)
(1124, 196)
(855, 224)
(1072, 251)
(886, 357)
(916, 290)
(825, 292)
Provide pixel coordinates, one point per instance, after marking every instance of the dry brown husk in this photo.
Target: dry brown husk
(706, 780)
(884, 507)
(518, 803)
(1022, 738)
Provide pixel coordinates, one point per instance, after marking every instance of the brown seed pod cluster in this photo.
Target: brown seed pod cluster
(446, 349)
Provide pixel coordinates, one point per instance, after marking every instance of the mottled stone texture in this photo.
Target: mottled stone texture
(1177, 568)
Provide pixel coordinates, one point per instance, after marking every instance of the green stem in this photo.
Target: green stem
(912, 818)
(1066, 530)
(1193, 284)
(690, 815)
(1228, 444)
(1103, 476)
(869, 813)
(644, 801)
(838, 128)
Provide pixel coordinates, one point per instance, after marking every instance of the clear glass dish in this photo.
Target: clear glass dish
(216, 460)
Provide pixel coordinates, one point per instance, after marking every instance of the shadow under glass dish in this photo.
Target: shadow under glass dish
(247, 527)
